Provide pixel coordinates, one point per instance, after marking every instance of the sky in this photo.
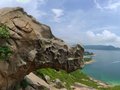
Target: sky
(86, 22)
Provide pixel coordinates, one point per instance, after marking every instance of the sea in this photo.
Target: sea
(106, 67)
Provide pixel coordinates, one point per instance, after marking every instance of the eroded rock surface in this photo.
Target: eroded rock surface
(34, 47)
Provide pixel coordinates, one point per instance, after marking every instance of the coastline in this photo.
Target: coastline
(89, 62)
(100, 83)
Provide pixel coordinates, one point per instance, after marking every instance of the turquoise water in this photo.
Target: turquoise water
(106, 66)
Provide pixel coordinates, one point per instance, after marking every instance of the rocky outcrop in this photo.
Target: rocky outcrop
(35, 82)
(34, 46)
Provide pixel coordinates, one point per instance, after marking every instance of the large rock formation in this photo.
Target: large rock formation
(33, 46)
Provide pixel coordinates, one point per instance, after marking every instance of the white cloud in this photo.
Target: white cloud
(23, 1)
(71, 28)
(106, 37)
(98, 5)
(30, 6)
(58, 13)
(109, 5)
(113, 6)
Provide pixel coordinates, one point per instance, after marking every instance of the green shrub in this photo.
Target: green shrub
(4, 32)
(5, 52)
(24, 83)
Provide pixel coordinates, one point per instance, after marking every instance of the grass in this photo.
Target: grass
(112, 88)
(71, 78)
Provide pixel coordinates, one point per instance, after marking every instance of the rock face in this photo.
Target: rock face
(34, 47)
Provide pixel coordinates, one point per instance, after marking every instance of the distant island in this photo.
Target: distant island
(101, 47)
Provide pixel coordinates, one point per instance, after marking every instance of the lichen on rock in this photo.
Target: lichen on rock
(34, 47)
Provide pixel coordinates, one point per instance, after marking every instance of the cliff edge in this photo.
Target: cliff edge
(34, 47)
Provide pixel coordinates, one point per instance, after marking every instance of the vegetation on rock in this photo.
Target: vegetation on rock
(5, 51)
(4, 32)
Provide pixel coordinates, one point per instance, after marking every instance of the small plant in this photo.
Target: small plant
(24, 83)
(5, 52)
(4, 32)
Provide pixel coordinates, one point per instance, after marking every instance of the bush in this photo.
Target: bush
(5, 51)
(4, 32)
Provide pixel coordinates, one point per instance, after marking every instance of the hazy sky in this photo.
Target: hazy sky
(76, 21)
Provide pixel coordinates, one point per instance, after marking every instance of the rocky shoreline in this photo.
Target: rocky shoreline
(80, 86)
(100, 83)
(89, 62)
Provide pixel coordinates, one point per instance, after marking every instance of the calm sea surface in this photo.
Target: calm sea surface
(106, 66)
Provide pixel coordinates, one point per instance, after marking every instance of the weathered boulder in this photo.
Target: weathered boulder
(34, 46)
(36, 82)
(59, 84)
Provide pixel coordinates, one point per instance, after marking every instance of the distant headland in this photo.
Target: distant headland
(101, 47)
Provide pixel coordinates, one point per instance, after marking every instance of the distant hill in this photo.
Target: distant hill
(101, 47)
